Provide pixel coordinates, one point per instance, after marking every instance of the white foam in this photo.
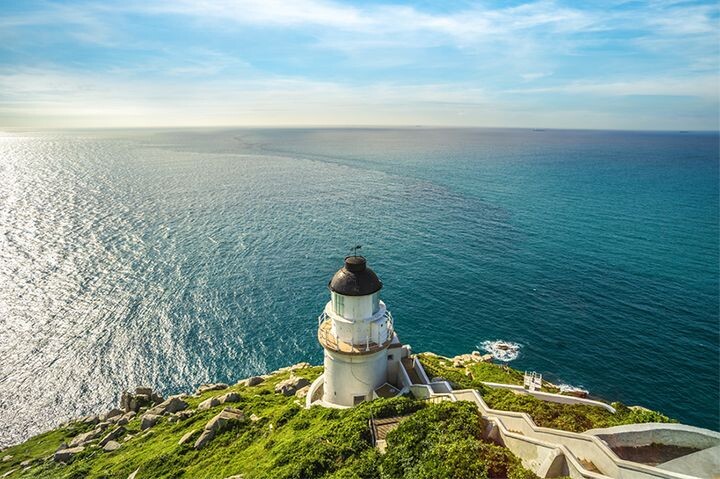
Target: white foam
(505, 351)
(568, 388)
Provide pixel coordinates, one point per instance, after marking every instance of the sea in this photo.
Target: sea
(172, 258)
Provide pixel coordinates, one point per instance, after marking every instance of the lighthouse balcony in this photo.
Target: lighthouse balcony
(376, 337)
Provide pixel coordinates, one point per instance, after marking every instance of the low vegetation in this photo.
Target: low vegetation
(280, 439)
(444, 440)
(568, 417)
(284, 441)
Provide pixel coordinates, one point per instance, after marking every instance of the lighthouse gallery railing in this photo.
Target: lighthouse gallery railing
(355, 342)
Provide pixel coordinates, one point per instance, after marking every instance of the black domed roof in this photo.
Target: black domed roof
(355, 278)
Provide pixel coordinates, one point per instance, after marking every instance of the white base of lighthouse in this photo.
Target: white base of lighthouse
(351, 379)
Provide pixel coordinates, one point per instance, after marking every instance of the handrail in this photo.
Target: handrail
(328, 337)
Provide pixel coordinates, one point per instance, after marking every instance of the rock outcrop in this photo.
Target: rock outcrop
(111, 436)
(461, 360)
(302, 392)
(228, 418)
(85, 438)
(171, 405)
(289, 386)
(111, 446)
(112, 414)
(229, 397)
(252, 381)
(211, 387)
(66, 455)
(148, 421)
(188, 436)
(218, 400)
(209, 403)
(143, 397)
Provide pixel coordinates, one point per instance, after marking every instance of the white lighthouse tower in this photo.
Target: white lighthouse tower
(356, 332)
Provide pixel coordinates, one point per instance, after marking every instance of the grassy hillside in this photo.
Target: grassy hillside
(283, 440)
(569, 417)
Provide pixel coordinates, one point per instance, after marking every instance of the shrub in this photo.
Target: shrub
(444, 441)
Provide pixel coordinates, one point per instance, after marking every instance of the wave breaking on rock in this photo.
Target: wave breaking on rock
(505, 351)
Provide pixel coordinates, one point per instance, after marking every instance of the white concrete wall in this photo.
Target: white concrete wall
(516, 428)
(349, 375)
(662, 433)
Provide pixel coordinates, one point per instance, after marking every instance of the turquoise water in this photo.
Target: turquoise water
(171, 258)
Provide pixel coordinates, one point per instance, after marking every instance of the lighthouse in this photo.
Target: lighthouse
(361, 349)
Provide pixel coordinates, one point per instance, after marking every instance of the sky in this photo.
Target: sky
(135, 63)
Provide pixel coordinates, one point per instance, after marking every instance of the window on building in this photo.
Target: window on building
(338, 303)
(358, 399)
(376, 302)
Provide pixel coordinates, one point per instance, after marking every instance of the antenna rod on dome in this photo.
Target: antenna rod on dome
(355, 249)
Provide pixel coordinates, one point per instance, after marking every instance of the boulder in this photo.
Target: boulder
(252, 381)
(84, 438)
(129, 415)
(254, 417)
(227, 418)
(10, 472)
(111, 446)
(112, 435)
(186, 414)
(26, 462)
(171, 405)
(90, 420)
(211, 387)
(66, 455)
(6, 458)
(134, 474)
(148, 421)
(111, 414)
(146, 391)
(142, 397)
(291, 385)
(180, 416)
(188, 436)
(302, 392)
(209, 403)
(229, 397)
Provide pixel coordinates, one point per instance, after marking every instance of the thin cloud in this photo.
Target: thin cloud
(480, 63)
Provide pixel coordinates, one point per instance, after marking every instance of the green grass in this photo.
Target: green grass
(478, 373)
(445, 440)
(288, 442)
(568, 417)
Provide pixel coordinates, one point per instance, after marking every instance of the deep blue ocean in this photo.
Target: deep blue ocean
(173, 258)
